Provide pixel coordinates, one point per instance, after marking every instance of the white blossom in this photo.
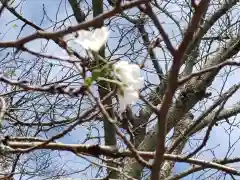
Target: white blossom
(129, 75)
(92, 40)
(129, 96)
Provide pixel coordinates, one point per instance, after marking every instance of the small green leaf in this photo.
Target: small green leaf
(88, 81)
(118, 70)
(14, 26)
(96, 74)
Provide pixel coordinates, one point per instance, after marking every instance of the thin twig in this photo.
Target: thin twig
(118, 132)
(216, 67)
(55, 35)
(203, 115)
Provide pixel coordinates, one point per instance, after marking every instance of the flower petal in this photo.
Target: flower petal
(129, 74)
(130, 97)
(93, 40)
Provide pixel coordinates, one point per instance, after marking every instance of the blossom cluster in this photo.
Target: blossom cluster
(128, 74)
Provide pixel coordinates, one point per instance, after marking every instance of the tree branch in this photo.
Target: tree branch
(172, 86)
(71, 29)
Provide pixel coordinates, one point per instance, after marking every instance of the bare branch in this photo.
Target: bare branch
(172, 86)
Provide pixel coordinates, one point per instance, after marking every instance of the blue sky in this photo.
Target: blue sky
(32, 10)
